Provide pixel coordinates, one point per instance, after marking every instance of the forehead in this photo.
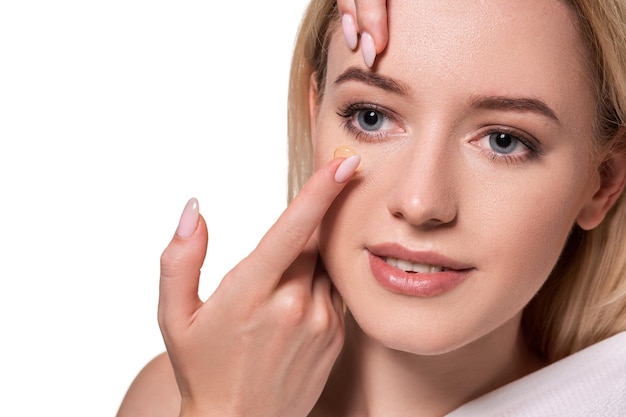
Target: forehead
(449, 48)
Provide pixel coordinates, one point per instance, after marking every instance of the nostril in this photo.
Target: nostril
(424, 216)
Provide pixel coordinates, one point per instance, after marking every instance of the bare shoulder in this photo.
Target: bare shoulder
(154, 391)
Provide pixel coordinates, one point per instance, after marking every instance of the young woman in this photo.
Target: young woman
(468, 259)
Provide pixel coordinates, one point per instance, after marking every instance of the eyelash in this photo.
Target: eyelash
(348, 113)
(534, 150)
(351, 110)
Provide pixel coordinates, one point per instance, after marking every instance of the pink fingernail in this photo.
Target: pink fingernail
(347, 168)
(349, 30)
(189, 219)
(368, 49)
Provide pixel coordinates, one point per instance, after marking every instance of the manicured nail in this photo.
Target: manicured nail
(344, 151)
(189, 219)
(368, 49)
(347, 168)
(349, 30)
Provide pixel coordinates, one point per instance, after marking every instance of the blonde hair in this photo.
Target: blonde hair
(309, 57)
(584, 299)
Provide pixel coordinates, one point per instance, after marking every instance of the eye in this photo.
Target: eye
(504, 143)
(507, 145)
(369, 122)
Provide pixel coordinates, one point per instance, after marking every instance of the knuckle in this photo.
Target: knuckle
(294, 237)
(292, 308)
(322, 321)
(170, 262)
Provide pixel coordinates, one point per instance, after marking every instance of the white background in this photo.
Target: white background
(112, 115)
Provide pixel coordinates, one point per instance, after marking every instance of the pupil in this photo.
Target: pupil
(370, 117)
(503, 140)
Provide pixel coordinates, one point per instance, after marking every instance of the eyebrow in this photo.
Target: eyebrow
(373, 79)
(523, 104)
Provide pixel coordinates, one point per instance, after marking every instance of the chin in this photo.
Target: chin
(429, 331)
(421, 340)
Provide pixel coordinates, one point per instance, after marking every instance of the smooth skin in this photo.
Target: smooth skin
(264, 343)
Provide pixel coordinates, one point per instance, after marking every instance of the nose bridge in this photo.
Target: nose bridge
(424, 193)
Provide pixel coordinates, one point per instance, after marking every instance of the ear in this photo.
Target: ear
(612, 179)
(313, 105)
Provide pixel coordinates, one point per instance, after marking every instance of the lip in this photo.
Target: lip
(415, 284)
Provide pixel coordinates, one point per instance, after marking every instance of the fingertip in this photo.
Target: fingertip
(371, 21)
(377, 27)
(189, 219)
(368, 49)
(382, 38)
(349, 30)
(347, 168)
(380, 42)
(180, 266)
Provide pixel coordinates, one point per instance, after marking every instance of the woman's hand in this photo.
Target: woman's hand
(264, 343)
(369, 18)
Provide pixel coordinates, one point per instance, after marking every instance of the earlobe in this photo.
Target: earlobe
(612, 180)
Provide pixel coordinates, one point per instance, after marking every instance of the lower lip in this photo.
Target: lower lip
(415, 284)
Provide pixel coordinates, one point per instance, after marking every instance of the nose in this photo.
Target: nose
(423, 190)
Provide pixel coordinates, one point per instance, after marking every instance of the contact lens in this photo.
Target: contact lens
(344, 151)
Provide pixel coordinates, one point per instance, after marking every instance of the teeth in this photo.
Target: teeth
(413, 267)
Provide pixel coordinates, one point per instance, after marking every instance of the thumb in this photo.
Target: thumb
(180, 269)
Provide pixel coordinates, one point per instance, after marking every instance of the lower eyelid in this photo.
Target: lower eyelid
(363, 135)
(509, 159)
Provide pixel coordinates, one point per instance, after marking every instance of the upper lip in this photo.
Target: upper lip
(394, 250)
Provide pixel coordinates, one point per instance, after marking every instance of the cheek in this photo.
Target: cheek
(353, 219)
(523, 226)
(359, 217)
(346, 216)
(512, 226)
(512, 222)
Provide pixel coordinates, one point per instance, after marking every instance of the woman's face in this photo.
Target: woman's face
(475, 132)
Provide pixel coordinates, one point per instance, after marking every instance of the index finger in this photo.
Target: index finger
(365, 17)
(287, 238)
(371, 16)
